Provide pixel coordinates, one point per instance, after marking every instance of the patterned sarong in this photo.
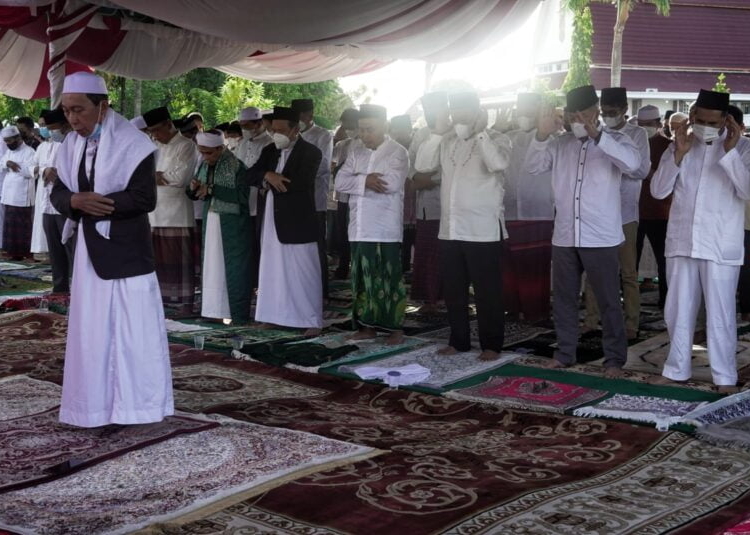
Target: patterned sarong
(426, 284)
(526, 270)
(17, 230)
(175, 269)
(377, 285)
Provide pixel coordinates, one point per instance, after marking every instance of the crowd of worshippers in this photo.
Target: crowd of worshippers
(260, 206)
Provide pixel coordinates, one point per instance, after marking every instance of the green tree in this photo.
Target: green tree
(721, 84)
(330, 99)
(238, 93)
(579, 64)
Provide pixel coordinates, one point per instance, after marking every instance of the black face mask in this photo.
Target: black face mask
(14, 145)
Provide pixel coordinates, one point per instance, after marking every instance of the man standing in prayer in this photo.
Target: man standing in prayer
(706, 170)
(472, 160)
(427, 284)
(25, 126)
(227, 230)
(254, 139)
(654, 213)
(614, 106)
(197, 119)
(140, 124)
(587, 165)
(117, 367)
(401, 132)
(373, 176)
(323, 139)
(44, 167)
(528, 218)
(350, 125)
(17, 194)
(173, 222)
(290, 292)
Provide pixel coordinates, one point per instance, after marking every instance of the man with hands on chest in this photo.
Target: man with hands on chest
(707, 171)
(587, 166)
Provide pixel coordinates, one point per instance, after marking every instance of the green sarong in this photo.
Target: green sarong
(378, 291)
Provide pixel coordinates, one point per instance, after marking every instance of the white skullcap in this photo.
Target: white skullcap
(138, 122)
(648, 113)
(84, 82)
(679, 116)
(9, 131)
(250, 114)
(206, 139)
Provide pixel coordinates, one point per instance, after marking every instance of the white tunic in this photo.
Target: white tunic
(630, 187)
(290, 292)
(471, 191)
(44, 158)
(323, 139)
(248, 151)
(710, 186)
(177, 159)
(375, 217)
(340, 153)
(18, 187)
(428, 200)
(528, 197)
(586, 180)
(214, 294)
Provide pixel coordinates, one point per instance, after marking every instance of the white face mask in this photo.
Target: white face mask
(651, 131)
(612, 122)
(303, 126)
(248, 134)
(579, 130)
(351, 134)
(704, 133)
(463, 130)
(526, 123)
(56, 135)
(281, 141)
(232, 143)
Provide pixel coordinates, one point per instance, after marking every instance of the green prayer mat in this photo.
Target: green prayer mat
(222, 339)
(301, 355)
(377, 285)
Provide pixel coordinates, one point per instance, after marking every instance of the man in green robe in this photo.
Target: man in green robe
(227, 231)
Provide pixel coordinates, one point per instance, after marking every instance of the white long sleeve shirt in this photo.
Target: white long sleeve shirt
(471, 188)
(44, 158)
(375, 217)
(707, 216)
(528, 197)
(630, 188)
(428, 200)
(248, 151)
(586, 180)
(340, 152)
(18, 187)
(323, 139)
(177, 160)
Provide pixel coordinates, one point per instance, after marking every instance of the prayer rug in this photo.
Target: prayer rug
(659, 411)
(515, 333)
(37, 273)
(32, 343)
(651, 354)
(528, 393)
(366, 349)
(743, 528)
(730, 434)
(33, 447)
(199, 387)
(56, 303)
(11, 266)
(189, 474)
(14, 284)
(445, 369)
(174, 326)
(451, 462)
(221, 339)
(721, 411)
(22, 396)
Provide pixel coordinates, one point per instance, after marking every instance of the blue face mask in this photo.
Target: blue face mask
(44, 132)
(98, 128)
(56, 135)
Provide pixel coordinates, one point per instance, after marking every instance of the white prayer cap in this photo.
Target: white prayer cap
(207, 139)
(648, 113)
(138, 122)
(678, 116)
(250, 114)
(84, 82)
(9, 131)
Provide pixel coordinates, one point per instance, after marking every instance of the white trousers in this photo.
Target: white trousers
(688, 278)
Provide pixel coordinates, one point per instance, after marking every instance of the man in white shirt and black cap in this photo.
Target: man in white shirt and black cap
(373, 176)
(173, 222)
(707, 172)
(117, 367)
(587, 165)
(17, 195)
(614, 106)
(323, 139)
(472, 160)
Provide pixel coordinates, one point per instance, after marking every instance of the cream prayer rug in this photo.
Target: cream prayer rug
(23, 396)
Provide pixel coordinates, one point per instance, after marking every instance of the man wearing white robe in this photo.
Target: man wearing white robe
(290, 292)
(17, 194)
(707, 171)
(117, 368)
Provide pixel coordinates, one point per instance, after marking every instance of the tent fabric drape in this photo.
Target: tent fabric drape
(297, 41)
